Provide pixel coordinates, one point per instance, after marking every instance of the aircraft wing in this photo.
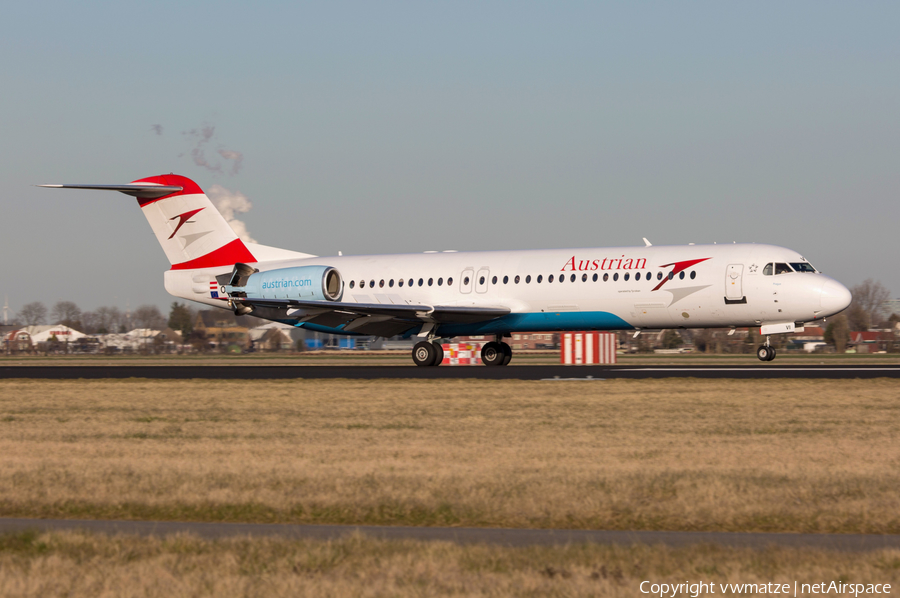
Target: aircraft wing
(374, 318)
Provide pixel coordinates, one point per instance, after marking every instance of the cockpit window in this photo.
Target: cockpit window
(767, 271)
(802, 267)
(782, 269)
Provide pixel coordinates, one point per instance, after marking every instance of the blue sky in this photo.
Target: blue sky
(402, 127)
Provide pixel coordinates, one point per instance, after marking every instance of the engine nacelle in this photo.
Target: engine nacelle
(309, 283)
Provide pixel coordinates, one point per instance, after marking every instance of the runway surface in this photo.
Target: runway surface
(536, 372)
(461, 535)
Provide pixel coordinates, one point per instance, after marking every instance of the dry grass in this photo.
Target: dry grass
(82, 565)
(673, 454)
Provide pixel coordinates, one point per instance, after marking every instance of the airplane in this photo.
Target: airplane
(435, 295)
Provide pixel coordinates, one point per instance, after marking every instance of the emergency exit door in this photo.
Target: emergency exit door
(734, 289)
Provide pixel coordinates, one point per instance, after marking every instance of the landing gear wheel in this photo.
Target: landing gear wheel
(771, 353)
(492, 354)
(507, 353)
(424, 354)
(765, 353)
(438, 353)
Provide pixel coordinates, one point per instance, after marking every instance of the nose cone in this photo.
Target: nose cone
(835, 297)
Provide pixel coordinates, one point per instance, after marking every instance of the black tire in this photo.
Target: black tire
(507, 353)
(771, 353)
(438, 353)
(424, 354)
(763, 353)
(492, 354)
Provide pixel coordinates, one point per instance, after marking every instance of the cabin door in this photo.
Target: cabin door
(481, 280)
(734, 288)
(465, 280)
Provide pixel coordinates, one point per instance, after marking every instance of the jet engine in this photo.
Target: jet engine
(307, 283)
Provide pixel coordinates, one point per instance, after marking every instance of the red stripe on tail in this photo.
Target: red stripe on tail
(227, 255)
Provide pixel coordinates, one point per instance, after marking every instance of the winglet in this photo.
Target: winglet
(647, 243)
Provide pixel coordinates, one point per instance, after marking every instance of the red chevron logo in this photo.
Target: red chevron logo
(182, 219)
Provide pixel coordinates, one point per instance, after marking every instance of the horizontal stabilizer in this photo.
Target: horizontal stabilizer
(139, 190)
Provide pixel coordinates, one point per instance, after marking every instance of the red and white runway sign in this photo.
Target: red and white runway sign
(581, 348)
(461, 354)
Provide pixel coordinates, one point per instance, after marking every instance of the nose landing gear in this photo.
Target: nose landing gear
(766, 352)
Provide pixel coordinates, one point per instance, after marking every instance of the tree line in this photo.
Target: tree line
(107, 319)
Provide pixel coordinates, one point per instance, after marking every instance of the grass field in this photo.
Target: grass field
(773, 455)
(82, 565)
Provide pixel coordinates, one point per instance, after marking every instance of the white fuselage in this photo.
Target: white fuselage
(616, 288)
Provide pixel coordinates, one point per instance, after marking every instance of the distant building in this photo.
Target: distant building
(43, 334)
(16, 340)
(222, 328)
(273, 336)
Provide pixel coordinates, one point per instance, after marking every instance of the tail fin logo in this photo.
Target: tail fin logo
(182, 219)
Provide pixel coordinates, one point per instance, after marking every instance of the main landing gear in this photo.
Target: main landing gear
(429, 353)
(766, 352)
(496, 353)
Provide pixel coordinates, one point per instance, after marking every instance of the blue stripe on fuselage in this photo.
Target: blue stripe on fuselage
(540, 322)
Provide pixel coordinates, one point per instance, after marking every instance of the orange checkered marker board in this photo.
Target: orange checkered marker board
(462, 354)
(582, 348)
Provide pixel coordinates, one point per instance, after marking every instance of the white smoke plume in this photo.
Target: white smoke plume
(229, 203)
(238, 158)
(198, 153)
(158, 129)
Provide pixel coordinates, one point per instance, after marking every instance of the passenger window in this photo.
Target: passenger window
(481, 280)
(584, 278)
(562, 278)
(381, 284)
(517, 279)
(352, 283)
(449, 281)
(550, 278)
(681, 275)
(671, 275)
(505, 279)
(572, 278)
(595, 277)
(440, 281)
(528, 279)
(421, 282)
(615, 276)
(606, 277)
(768, 270)
(362, 284)
(371, 284)
(693, 275)
(494, 280)
(430, 281)
(659, 276)
(627, 275)
(391, 282)
(637, 275)
(465, 280)
(540, 278)
(782, 269)
(400, 282)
